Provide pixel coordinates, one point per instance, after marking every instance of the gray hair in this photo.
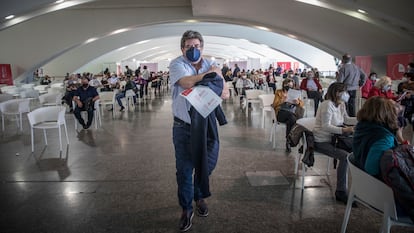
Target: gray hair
(191, 35)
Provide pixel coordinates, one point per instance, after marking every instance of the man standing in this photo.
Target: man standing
(146, 77)
(84, 98)
(353, 76)
(236, 73)
(185, 72)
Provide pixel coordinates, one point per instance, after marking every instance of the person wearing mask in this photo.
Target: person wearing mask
(287, 111)
(95, 82)
(295, 78)
(369, 83)
(331, 119)
(84, 98)
(185, 72)
(129, 85)
(353, 76)
(313, 89)
(383, 88)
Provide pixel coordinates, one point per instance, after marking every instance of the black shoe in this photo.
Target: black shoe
(288, 149)
(85, 126)
(186, 220)
(341, 196)
(122, 109)
(202, 209)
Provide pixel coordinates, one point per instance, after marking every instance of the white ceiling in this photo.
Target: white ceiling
(328, 28)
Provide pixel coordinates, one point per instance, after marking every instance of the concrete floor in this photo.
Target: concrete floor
(121, 178)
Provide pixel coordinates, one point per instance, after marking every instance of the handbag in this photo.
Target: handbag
(342, 141)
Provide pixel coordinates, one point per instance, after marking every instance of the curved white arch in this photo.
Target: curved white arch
(165, 38)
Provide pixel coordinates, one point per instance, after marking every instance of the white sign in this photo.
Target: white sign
(203, 99)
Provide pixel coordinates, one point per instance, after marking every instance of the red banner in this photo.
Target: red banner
(364, 62)
(397, 64)
(284, 65)
(6, 74)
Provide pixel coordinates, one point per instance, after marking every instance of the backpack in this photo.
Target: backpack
(397, 171)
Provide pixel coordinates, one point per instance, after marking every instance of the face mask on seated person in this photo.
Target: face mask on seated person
(386, 88)
(85, 85)
(286, 88)
(344, 97)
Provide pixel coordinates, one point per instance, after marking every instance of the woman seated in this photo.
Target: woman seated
(368, 85)
(383, 88)
(374, 133)
(313, 89)
(287, 111)
(331, 119)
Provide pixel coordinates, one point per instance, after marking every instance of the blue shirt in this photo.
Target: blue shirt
(180, 67)
(83, 94)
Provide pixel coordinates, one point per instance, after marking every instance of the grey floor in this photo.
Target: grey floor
(121, 178)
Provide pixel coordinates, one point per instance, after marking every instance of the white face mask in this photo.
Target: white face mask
(404, 79)
(386, 88)
(345, 97)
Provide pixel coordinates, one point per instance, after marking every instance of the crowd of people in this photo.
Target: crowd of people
(374, 129)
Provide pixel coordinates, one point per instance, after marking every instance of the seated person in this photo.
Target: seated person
(287, 112)
(313, 89)
(129, 85)
(105, 83)
(95, 82)
(374, 133)
(113, 82)
(383, 88)
(330, 120)
(368, 85)
(70, 92)
(45, 81)
(84, 99)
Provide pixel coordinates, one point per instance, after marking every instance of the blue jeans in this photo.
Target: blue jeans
(187, 191)
(121, 95)
(342, 170)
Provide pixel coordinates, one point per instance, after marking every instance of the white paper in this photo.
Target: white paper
(293, 94)
(203, 99)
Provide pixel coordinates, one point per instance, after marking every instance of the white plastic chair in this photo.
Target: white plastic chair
(41, 88)
(50, 117)
(51, 99)
(266, 102)
(231, 88)
(107, 98)
(129, 98)
(307, 101)
(374, 194)
(309, 124)
(14, 107)
(5, 97)
(252, 96)
(96, 114)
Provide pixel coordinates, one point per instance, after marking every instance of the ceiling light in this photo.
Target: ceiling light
(59, 1)
(143, 42)
(262, 28)
(9, 17)
(362, 11)
(119, 31)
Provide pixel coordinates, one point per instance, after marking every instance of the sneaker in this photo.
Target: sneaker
(202, 209)
(186, 220)
(122, 109)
